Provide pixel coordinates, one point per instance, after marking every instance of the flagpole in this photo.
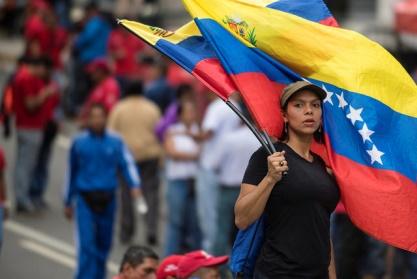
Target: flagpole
(251, 127)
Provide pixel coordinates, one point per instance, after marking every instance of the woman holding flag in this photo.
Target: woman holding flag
(294, 191)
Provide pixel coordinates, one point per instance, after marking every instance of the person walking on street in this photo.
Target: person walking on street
(135, 118)
(182, 153)
(3, 198)
(95, 157)
(29, 99)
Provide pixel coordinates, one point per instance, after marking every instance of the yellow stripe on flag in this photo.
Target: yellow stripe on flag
(153, 34)
(338, 56)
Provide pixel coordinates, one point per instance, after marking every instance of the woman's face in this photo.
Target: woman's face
(188, 114)
(303, 113)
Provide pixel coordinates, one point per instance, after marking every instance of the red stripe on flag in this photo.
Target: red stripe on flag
(211, 73)
(262, 98)
(330, 21)
(387, 195)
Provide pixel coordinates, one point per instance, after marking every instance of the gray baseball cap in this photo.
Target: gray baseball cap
(297, 86)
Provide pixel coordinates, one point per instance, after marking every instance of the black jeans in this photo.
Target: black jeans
(149, 175)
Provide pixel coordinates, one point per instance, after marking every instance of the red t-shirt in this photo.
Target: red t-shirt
(25, 85)
(106, 93)
(130, 46)
(51, 103)
(2, 160)
(60, 40)
(37, 31)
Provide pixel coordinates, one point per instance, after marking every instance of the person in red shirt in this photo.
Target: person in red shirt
(106, 90)
(124, 50)
(51, 119)
(38, 35)
(3, 208)
(29, 97)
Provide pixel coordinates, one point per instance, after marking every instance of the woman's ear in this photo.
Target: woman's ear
(284, 115)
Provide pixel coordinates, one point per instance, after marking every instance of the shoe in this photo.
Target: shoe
(152, 240)
(25, 208)
(40, 204)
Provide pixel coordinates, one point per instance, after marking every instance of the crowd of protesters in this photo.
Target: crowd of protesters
(144, 116)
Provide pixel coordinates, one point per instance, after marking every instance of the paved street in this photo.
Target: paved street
(42, 245)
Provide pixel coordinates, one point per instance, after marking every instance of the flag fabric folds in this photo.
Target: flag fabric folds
(370, 113)
(189, 49)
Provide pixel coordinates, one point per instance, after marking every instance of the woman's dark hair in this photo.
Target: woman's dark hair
(180, 107)
(182, 89)
(136, 255)
(318, 135)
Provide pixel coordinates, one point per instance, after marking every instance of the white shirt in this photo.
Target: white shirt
(219, 119)
(232, 155)
(177, 169)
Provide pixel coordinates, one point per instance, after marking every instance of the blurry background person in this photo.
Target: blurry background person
(124, 50)
(182, 153)
(230, 160)
(135, 119)
(218, 120)
(168, 268)
(199, 264)
(138, 263)
(3, 198)
(30, 96)
(157, 87)
(184, 92)
(95, 157)
(357, 255)
(106, 89)
(50, 109)
(89, 44)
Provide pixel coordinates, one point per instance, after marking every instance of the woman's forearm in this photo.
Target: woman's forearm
(250, 206)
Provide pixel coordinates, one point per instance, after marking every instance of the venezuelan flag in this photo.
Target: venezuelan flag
(189, 49)
(370, 113)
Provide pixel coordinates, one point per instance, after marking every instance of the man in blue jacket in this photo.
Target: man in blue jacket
(96, 156)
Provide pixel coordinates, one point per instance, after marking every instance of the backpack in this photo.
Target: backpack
(246, 249)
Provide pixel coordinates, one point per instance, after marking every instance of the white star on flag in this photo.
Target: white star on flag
(375, 155)
(329, 95)
(366, 133)
(355, 115)
(342, 101)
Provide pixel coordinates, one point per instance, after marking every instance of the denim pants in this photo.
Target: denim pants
(182, 227)
(28, 145)
(149, 175)
(225, 221)
(207, 197)
(40, 174)
(1, 226)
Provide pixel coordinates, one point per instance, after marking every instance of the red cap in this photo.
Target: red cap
(39, 5)
(193, 261)
(98, 64)
(168, 267)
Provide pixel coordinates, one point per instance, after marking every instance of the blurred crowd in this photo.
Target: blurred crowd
(87, 69)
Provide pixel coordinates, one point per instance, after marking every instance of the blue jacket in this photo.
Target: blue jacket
(94, 162)
(91, 43)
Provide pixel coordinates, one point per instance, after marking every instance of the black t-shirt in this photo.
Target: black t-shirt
(297, 216)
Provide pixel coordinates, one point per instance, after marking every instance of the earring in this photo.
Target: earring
(320, 129)
(286, 127)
